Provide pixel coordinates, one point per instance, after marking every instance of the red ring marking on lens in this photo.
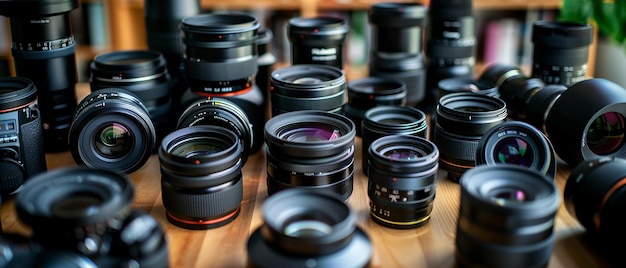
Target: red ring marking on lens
(596, 218)
(204, 222)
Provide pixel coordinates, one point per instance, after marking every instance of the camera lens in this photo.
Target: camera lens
(450, 43)
(387, 120)
(317, 40)
(142, 72)
(223, 113)
(201, 181)
(397, 46)
(463, 84)
(506, 217)
(461, 121)
(312, 150)
(560, 51)
(220, 53)
(594, 195)
(369, 92)
(85, 210)
(112, 130)
(43, 49)
(402, 175)
(307, 87)
(21, 137)
(517, 143)
(304, 228)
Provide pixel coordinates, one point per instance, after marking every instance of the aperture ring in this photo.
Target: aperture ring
(70, 49)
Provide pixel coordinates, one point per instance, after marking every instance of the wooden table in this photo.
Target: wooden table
(429, 246)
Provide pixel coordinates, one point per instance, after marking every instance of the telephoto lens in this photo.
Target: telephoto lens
(388, 120)
(162, 19)
(463, 84)
(461, 121)
(221, 60)
(112, 130)
(369, 92)
(560, 51)
(594, 195)
(21, 138)
(317, 40)
(201, 180)
(450, 43)
(223, 113)
(506, 217)
(402, 178)
(43, 49)
(89, 212)
(583, 121)
(142, 72)
(517, 143)
(303, 228)
(220, 52)
(307, 87)
(396, 52)
(311, 150)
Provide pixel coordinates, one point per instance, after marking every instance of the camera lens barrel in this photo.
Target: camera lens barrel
(386, 120)
(461, 120)
(142, 72)
(220, 112)
(21, 138)
(43, 48)
(517, 143)
(402, 180)
(303, 227)
(397, 46)
(112, 130)
(86, 211)
(317, 40)
(220, 52)
(506, 217)
(307, 87)
(312, 150)
(594, 195)
(560, 51)
(201, 180)
(369, 92)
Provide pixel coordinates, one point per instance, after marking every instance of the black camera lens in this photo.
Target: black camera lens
(142, 72)
(317, 40)
(21, 138)
(369, 92)
(43, 49)
(506, 217)
(87, 211)
(224, 113)
(112, 130)
(584, 121)
(402, 175)
(388, 120)
(312, 150)
(517, 143)
(461, 121)
(304, 228)
(594, 195)
(201, 180)
(560, 51)
(397, 46)
(307, 87)
(220, 53)
(463, 84)
(450, 43)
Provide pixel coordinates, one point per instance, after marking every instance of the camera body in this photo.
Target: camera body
(21, 141)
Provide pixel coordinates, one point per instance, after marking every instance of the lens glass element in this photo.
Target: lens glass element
(311, 132)
(114, 140)
(506, 196)
(606, 133)
(514, 151)
(77, 205)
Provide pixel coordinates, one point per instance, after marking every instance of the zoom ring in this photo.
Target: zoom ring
(200, 205)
